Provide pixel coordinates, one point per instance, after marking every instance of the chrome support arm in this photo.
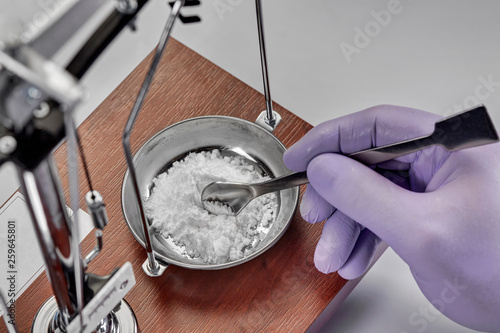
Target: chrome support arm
(269, 119)
(151, 266)
(51, 224)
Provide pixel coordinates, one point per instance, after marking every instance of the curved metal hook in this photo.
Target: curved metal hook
(152, 267)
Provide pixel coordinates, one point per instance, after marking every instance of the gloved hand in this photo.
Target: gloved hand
(439, 211)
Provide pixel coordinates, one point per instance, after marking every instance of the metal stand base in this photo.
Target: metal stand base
(263, 121)
(153, 273)
(121, 319)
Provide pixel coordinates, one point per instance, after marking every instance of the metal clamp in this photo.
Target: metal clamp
(191, 18)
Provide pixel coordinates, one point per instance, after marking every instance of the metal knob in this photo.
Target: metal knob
(97, 209)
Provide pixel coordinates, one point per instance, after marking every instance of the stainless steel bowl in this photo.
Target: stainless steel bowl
(232, 136)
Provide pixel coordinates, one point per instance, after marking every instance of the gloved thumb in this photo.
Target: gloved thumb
(373, 201)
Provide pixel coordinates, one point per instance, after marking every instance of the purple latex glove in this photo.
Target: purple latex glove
(439, 211)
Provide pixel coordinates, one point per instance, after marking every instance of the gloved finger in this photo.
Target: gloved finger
(313, 207)
(368, 198)
(373, 127)
(419, 169)
(336, 242)
(361, 256)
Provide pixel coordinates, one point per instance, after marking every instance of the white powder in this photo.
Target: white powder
(176, 211)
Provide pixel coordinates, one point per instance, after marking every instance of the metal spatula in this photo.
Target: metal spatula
(470, 128)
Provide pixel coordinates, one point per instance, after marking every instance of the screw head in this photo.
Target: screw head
(7, 144)
(33, 95)
(127, 6)
(42, 110)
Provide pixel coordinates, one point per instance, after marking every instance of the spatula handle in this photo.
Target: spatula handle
(368, 157)
(280, 183)
(389, 152)
(469, 136)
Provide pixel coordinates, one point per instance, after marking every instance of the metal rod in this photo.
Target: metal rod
(153, 265)
(84, 162)
(263, 60)
(101, 38)
(96, 250)
(42, 190)
(74, 202)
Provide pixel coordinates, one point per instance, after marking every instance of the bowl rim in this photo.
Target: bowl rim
(169, 261)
